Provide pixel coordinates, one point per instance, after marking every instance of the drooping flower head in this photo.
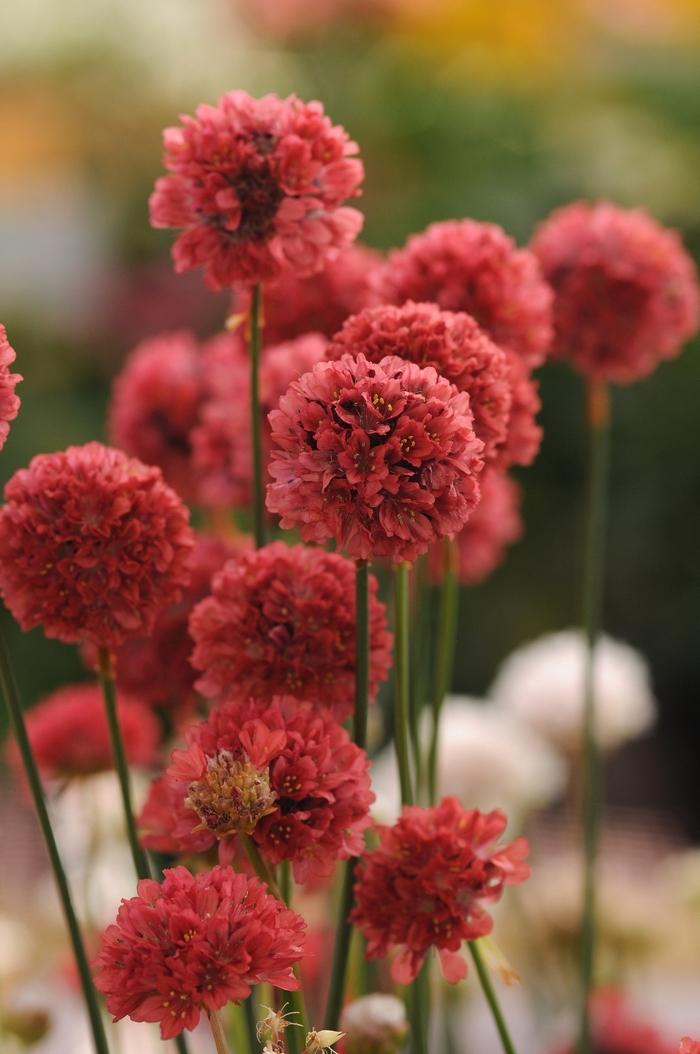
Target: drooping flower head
(625, 290)
(452, 343)
(382, 457)
(194, 943)
(93, 544)
(616, 1029)
(9, 402)
(281, 620)
(276, 770)
(257, 186)
(426, 885)
(70, 738)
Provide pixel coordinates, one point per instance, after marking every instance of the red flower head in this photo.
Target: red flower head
(463, 265)
(381, 457)
(281, 620)
(689, 1046)
(626, 292)
(524, 434)
(494, 525)
(426, 884)
(616, 1031)
(93, 545)
(452, 343)
(9, 402)
(70, 738)
(193, 943)
(283, 363)
(257, 186)
(277, 770)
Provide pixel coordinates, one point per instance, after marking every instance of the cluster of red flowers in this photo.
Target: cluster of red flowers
(9, 402)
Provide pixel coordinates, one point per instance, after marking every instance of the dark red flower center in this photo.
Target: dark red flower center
(259, 195)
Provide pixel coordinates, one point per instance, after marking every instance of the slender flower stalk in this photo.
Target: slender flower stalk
(491, 997)
(444, 656)
(598, 417)
(217, 1031)
(402, 682)
(106, 675)
(14, 708)
(254, 341)
(419, 1010)
(420, 657)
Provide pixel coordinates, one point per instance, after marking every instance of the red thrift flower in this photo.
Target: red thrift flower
(281, 620)
(524, 436)
(382, 457)
(194, 943)
(452, 343)
(93, 545)
(9, 402)
(427, 882)
(625, 290)
(276, 770)
(257, 186)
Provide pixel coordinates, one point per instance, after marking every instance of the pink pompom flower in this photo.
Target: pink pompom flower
(277, 770)
(382, 457)
(194, 943)
(281, 620)
(93, 545)
(257, 187)
(625, 290)
(9, 401)
(426, 884)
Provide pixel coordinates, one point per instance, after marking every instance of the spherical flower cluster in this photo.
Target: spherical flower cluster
(382, 457)
(9, 402)
(257, 186)
(426, 885)
(616, 1030)
(626, 291)
(194, 943)
(93, 545)
(375, 1024)
(276, 770)
(542, 683)
(452, 343)
(70, 738)
(481, 544)
(524, 434)
(283, 363)
(281, 620)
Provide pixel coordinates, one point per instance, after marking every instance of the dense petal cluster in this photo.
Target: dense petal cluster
(450, 342)
(194, 943)
(93, 544)
(286, 362)
(617, 1030)
(9, 401)
(626, 291)
(276, 770)
(281, 620)
(382, 457)
(70, 738)
(257, 186)
(426, 885)
(494, 525)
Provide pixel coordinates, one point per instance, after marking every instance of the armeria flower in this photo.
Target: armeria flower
(281, 620)
(93, 545)
(452, 343)
(464, 265)
(9, 402)
(617, 1030)
(480, 547)
(257, 186)
(70, 738)
(276, 770)
(626, 291)
(524, 437)
(194, 943)
(381, 457)
(283, 363)
(426, 885)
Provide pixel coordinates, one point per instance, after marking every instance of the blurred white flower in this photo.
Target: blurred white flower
(543, 684)
(374, 1024)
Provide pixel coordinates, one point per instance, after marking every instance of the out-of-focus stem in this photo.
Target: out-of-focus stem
(218, 1033)
(254, 342)
(491, 998)
(444, 656)
(402, 682)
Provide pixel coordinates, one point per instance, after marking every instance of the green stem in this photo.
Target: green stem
(259, 866)
(420, 628)
(444, 657)
(14, 708)
(593, 570)
(491, 997)
(285, 882)
(254, 341)
(106, 676)
(181, 1043)
(250, 1023)
(402, 681)
(343, 937)
(418, 1010)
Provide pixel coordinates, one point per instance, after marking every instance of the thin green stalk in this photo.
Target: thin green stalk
(420, 632)
(402, 681)
(285, 882)
(106, 675)
(593, 572)
(491, 997)
(444, 657)
(250, 1023)
(254, 341)
(14, 708)
(259, 866)
(343, 937)
(418, 1010)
